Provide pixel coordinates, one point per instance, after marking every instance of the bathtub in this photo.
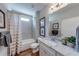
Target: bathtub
(26, 43)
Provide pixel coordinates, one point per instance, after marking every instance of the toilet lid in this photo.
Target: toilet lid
(34, 45)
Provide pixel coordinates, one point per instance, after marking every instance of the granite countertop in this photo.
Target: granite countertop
(64, 50)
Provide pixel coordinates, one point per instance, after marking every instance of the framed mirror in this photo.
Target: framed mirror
(55, 25)
(2, 19)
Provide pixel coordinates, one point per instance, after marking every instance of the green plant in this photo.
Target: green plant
(71, 39)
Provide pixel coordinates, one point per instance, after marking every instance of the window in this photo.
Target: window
(24, 19)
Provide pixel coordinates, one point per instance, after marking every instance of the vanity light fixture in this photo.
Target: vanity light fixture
(56, 6)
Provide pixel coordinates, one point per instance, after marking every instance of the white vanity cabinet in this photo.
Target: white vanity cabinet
(45, 50)
(58, 54)
(54, 48)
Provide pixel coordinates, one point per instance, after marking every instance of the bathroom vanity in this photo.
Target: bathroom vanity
(51, 48)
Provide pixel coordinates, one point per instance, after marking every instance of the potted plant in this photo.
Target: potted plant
(64, 40)
(71, 41)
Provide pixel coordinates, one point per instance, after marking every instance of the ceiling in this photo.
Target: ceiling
(28, 8)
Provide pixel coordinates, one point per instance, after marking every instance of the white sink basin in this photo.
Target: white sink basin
(51, 43)
(48, 41)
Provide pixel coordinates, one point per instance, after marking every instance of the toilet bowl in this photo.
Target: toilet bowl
(34, 47)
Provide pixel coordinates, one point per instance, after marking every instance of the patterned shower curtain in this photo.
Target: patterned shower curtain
(15, 31)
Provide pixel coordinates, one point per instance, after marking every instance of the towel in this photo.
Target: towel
(6, 39)
(1, 41)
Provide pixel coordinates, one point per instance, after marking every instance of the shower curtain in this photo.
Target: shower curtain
(15, 31)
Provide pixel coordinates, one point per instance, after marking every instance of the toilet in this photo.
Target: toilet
(34, 47)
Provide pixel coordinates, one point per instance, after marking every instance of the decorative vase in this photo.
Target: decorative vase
(70, 45)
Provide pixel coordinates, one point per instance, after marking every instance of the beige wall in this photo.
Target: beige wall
(3, 8)
(45, 13)
(36, 25)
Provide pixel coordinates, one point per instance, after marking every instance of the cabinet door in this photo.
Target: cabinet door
(45, 51)
(58, 54)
